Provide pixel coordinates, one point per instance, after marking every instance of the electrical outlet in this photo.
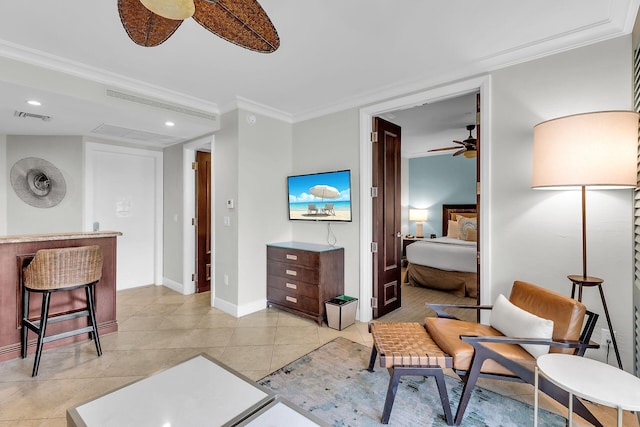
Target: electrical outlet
(605, 336)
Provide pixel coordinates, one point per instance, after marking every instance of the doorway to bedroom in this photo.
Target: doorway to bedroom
(440, 171)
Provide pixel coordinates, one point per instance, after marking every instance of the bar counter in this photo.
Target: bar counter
(16, 252)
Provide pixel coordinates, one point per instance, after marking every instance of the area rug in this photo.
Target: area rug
(333, 383)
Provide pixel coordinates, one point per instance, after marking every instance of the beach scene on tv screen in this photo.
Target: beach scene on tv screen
(320, 197)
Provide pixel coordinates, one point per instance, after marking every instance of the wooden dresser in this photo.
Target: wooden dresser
(302, 276)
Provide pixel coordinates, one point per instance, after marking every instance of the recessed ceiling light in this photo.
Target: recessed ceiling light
(169, 124)
(34, 102)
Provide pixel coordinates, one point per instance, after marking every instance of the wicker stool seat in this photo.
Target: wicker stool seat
(406, 349)
(60, 270)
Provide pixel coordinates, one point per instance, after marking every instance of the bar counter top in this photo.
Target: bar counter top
(25, 238)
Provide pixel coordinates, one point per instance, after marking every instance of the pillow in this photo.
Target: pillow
(466, 225)
(471, 236)
(458, 216)
(453, 229)
(515, 322)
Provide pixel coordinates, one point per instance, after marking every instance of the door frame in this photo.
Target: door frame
(483, 84)
(189, 241)
(91, 148)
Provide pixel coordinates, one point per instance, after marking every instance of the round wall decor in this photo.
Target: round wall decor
(37, 182)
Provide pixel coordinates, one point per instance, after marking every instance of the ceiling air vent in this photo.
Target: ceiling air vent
(162, 105)
(31, 115)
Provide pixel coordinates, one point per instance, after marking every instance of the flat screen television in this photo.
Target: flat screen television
(324, 196)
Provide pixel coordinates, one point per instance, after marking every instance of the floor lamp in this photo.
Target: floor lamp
(587, 151)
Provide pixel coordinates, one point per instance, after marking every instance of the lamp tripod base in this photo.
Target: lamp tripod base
(588, 281)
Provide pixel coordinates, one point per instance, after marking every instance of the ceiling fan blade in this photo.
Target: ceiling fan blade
(242, 22)
(446, 148)
(459, 142)
(144, 27)
(457, 153)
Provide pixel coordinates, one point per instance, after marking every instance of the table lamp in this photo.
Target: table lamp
(419, 216)
(587, 151)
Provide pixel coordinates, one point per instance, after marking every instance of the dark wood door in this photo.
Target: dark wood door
(387, 258)
(203, 221)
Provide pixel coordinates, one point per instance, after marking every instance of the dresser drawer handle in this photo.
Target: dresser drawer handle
(292, 272)
(291, 285)
(292, 257)
(292, 299)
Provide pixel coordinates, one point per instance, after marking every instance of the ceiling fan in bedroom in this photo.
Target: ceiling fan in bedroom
(243, 22)
(468, 149)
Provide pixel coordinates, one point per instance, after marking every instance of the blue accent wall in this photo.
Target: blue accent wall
(438, 180)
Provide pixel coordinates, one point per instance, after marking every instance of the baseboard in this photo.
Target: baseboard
(179, 287)
(239, 311)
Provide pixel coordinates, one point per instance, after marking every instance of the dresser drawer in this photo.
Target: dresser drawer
(293, 256)
(293, 286)
(292, 300)
(292, 271)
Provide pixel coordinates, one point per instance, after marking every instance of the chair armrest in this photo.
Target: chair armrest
(539, 341)
(441, 312)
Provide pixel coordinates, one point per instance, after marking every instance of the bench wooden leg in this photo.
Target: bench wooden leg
(394, 379)
(400, 371)
(372, 359)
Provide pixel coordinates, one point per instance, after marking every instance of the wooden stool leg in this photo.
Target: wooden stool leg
(24, 331)
(92, 319)
(394, 379)
(44, 314)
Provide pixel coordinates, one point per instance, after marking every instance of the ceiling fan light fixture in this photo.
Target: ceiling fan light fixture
(171, 9)
(470, 154)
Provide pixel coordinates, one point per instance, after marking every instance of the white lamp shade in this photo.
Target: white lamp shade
(418, 215)
(593, 150)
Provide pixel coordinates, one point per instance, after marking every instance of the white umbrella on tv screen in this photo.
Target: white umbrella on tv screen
(324, 191)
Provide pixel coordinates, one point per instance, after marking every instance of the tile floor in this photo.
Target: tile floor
(159, 328)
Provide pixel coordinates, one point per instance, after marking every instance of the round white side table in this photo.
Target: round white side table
(591, 380)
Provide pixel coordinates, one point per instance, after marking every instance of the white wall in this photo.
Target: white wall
(251, 160)
(173, 207)
(4, 185)
(225, 181)
(264, 162)
(326, 144)
(65, 153)
(537, 234)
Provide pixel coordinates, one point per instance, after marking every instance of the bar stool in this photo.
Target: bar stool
(60, 270)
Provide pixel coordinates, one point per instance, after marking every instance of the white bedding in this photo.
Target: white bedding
(445, 253)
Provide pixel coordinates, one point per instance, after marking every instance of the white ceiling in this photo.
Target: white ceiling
(334, 54)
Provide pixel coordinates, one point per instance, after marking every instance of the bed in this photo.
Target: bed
(448, 263)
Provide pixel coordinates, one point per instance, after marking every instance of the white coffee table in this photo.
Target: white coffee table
(198, 392)
(591, 380)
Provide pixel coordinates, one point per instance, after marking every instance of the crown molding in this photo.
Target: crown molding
(108, 79)
(258, 108)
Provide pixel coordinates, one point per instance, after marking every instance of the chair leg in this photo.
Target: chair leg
(24, 331)
(92, 319)
(469, 384)
(444, 397)
(44, 314)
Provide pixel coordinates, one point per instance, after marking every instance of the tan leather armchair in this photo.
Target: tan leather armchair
(480, 350)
